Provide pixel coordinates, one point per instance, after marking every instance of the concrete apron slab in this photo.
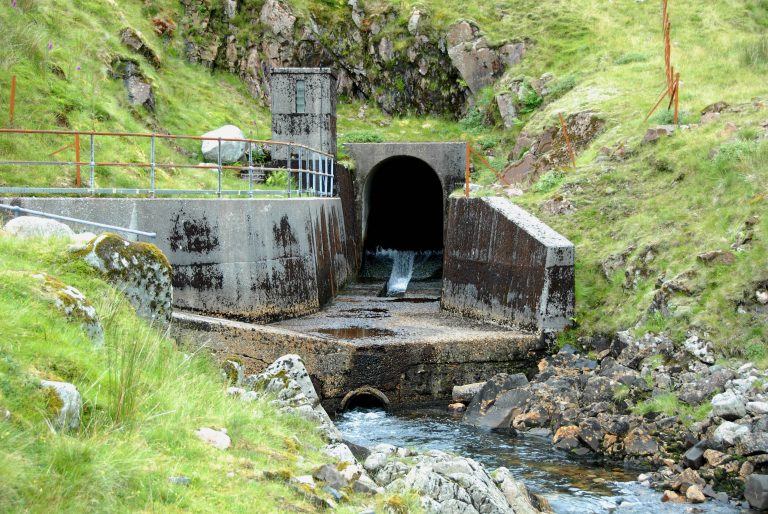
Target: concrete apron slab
(405, 348)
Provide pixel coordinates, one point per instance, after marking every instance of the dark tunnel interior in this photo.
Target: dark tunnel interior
(405, 206)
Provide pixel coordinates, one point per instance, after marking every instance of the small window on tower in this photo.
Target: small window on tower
(301, 103)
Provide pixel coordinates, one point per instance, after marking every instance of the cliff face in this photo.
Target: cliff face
(398, 60)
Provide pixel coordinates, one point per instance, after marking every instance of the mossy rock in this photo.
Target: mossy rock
(64, 404)
(74, 305)
(140, 270)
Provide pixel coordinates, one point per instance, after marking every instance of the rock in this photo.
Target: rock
(687, 479)
(216, 438)
(498, 402)
(331, 476)
(140, 270)
(74, 305)
(465, 393)
(654, 134)
(717, 257)
(728, 406)
(278, 17)
(365, 485)
(136, 84)
(694, 457)
(591, 433)
(233, 371)
(639, 443)
(715, 458)
(134, 41)
(672, 496)
(567, 438)
(729, 433)
(231, 151)
(65, 403)
(289, 379)
(517, 494)
(477, 63)
(700, 349)
(753, 443)
(694, 494)
(413, 21)
(375, 461)
(25, 227)
(180, 480)
(599, 389)
(457, 407)
(716, 107)
(757, 408)
(339, 452)
(756, 491)
(558, 206)
(507, 110)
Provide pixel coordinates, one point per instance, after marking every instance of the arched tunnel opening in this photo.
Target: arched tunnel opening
(405, 206)
(403, 231)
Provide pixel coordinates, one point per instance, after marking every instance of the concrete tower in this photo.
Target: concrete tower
(303, 109)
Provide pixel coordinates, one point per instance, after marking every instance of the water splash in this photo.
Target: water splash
(402, 271)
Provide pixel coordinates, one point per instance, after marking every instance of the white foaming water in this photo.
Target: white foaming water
(402, 271)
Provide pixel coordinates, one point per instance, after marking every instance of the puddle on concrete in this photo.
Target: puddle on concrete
(415, 300)
(356, 332)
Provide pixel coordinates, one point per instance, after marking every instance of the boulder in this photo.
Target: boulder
(694, 494)
(231, 151)
(756, 491)
(465, 393)
(700, 349)
(289, 379)
(717, 257)
(654, 134)
(500, 399)
(137, 85)
(507, 109)
(65, 403)
(278, 17)
(639, 443)
(140, 270)
(729, 433)
(694, 457)
(216, 438)
(25, 227)
(518, 496)
(74, 305)
(728, 406)
(331, 476)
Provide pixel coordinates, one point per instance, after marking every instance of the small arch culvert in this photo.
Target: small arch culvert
(366, 397)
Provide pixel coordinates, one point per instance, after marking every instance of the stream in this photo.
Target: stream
(571, 485)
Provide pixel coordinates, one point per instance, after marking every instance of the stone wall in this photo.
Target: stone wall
(504, 265)
(253, 260)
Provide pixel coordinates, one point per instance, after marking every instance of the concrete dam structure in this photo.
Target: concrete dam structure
(392, 290)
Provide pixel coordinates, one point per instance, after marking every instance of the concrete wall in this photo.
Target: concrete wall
(504, 265)
(316, 127)
(448, 160)
(254, 260)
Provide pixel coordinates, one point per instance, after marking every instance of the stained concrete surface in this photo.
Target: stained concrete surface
(404, 347)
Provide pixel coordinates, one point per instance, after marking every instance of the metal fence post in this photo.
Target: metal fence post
(250, 170)
(288, 170)
(93, 165)
(218, 191)
(301, 178)
(333, 177)
(152, 165)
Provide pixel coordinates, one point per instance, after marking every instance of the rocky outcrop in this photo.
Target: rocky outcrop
(140, 270)
(231, 151)
(535, 155)
(134, 41)
(425, 72)
(645, 400)
(137, 85)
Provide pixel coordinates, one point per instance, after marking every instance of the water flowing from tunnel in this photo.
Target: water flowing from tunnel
(402, 271)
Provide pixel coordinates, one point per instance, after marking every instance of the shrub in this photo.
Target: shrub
(364, 136)
(549, 181)
(529, 98)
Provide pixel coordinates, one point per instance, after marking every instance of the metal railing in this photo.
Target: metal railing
(18, 210)
(309, 171)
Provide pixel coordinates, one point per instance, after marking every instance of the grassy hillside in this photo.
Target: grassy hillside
(672, 197)
(143, 399)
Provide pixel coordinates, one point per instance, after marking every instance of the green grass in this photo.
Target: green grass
(143, 400)
(667, 404)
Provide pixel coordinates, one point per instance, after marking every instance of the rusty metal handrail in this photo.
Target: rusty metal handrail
(314, 169)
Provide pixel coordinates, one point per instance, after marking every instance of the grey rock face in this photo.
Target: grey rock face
(729, 433)
(75, 306)
(231, 151)
(67, 404)
(134, 41)
(25, 227)
(465, 393)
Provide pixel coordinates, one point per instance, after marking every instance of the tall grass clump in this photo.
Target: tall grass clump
(755, 53)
